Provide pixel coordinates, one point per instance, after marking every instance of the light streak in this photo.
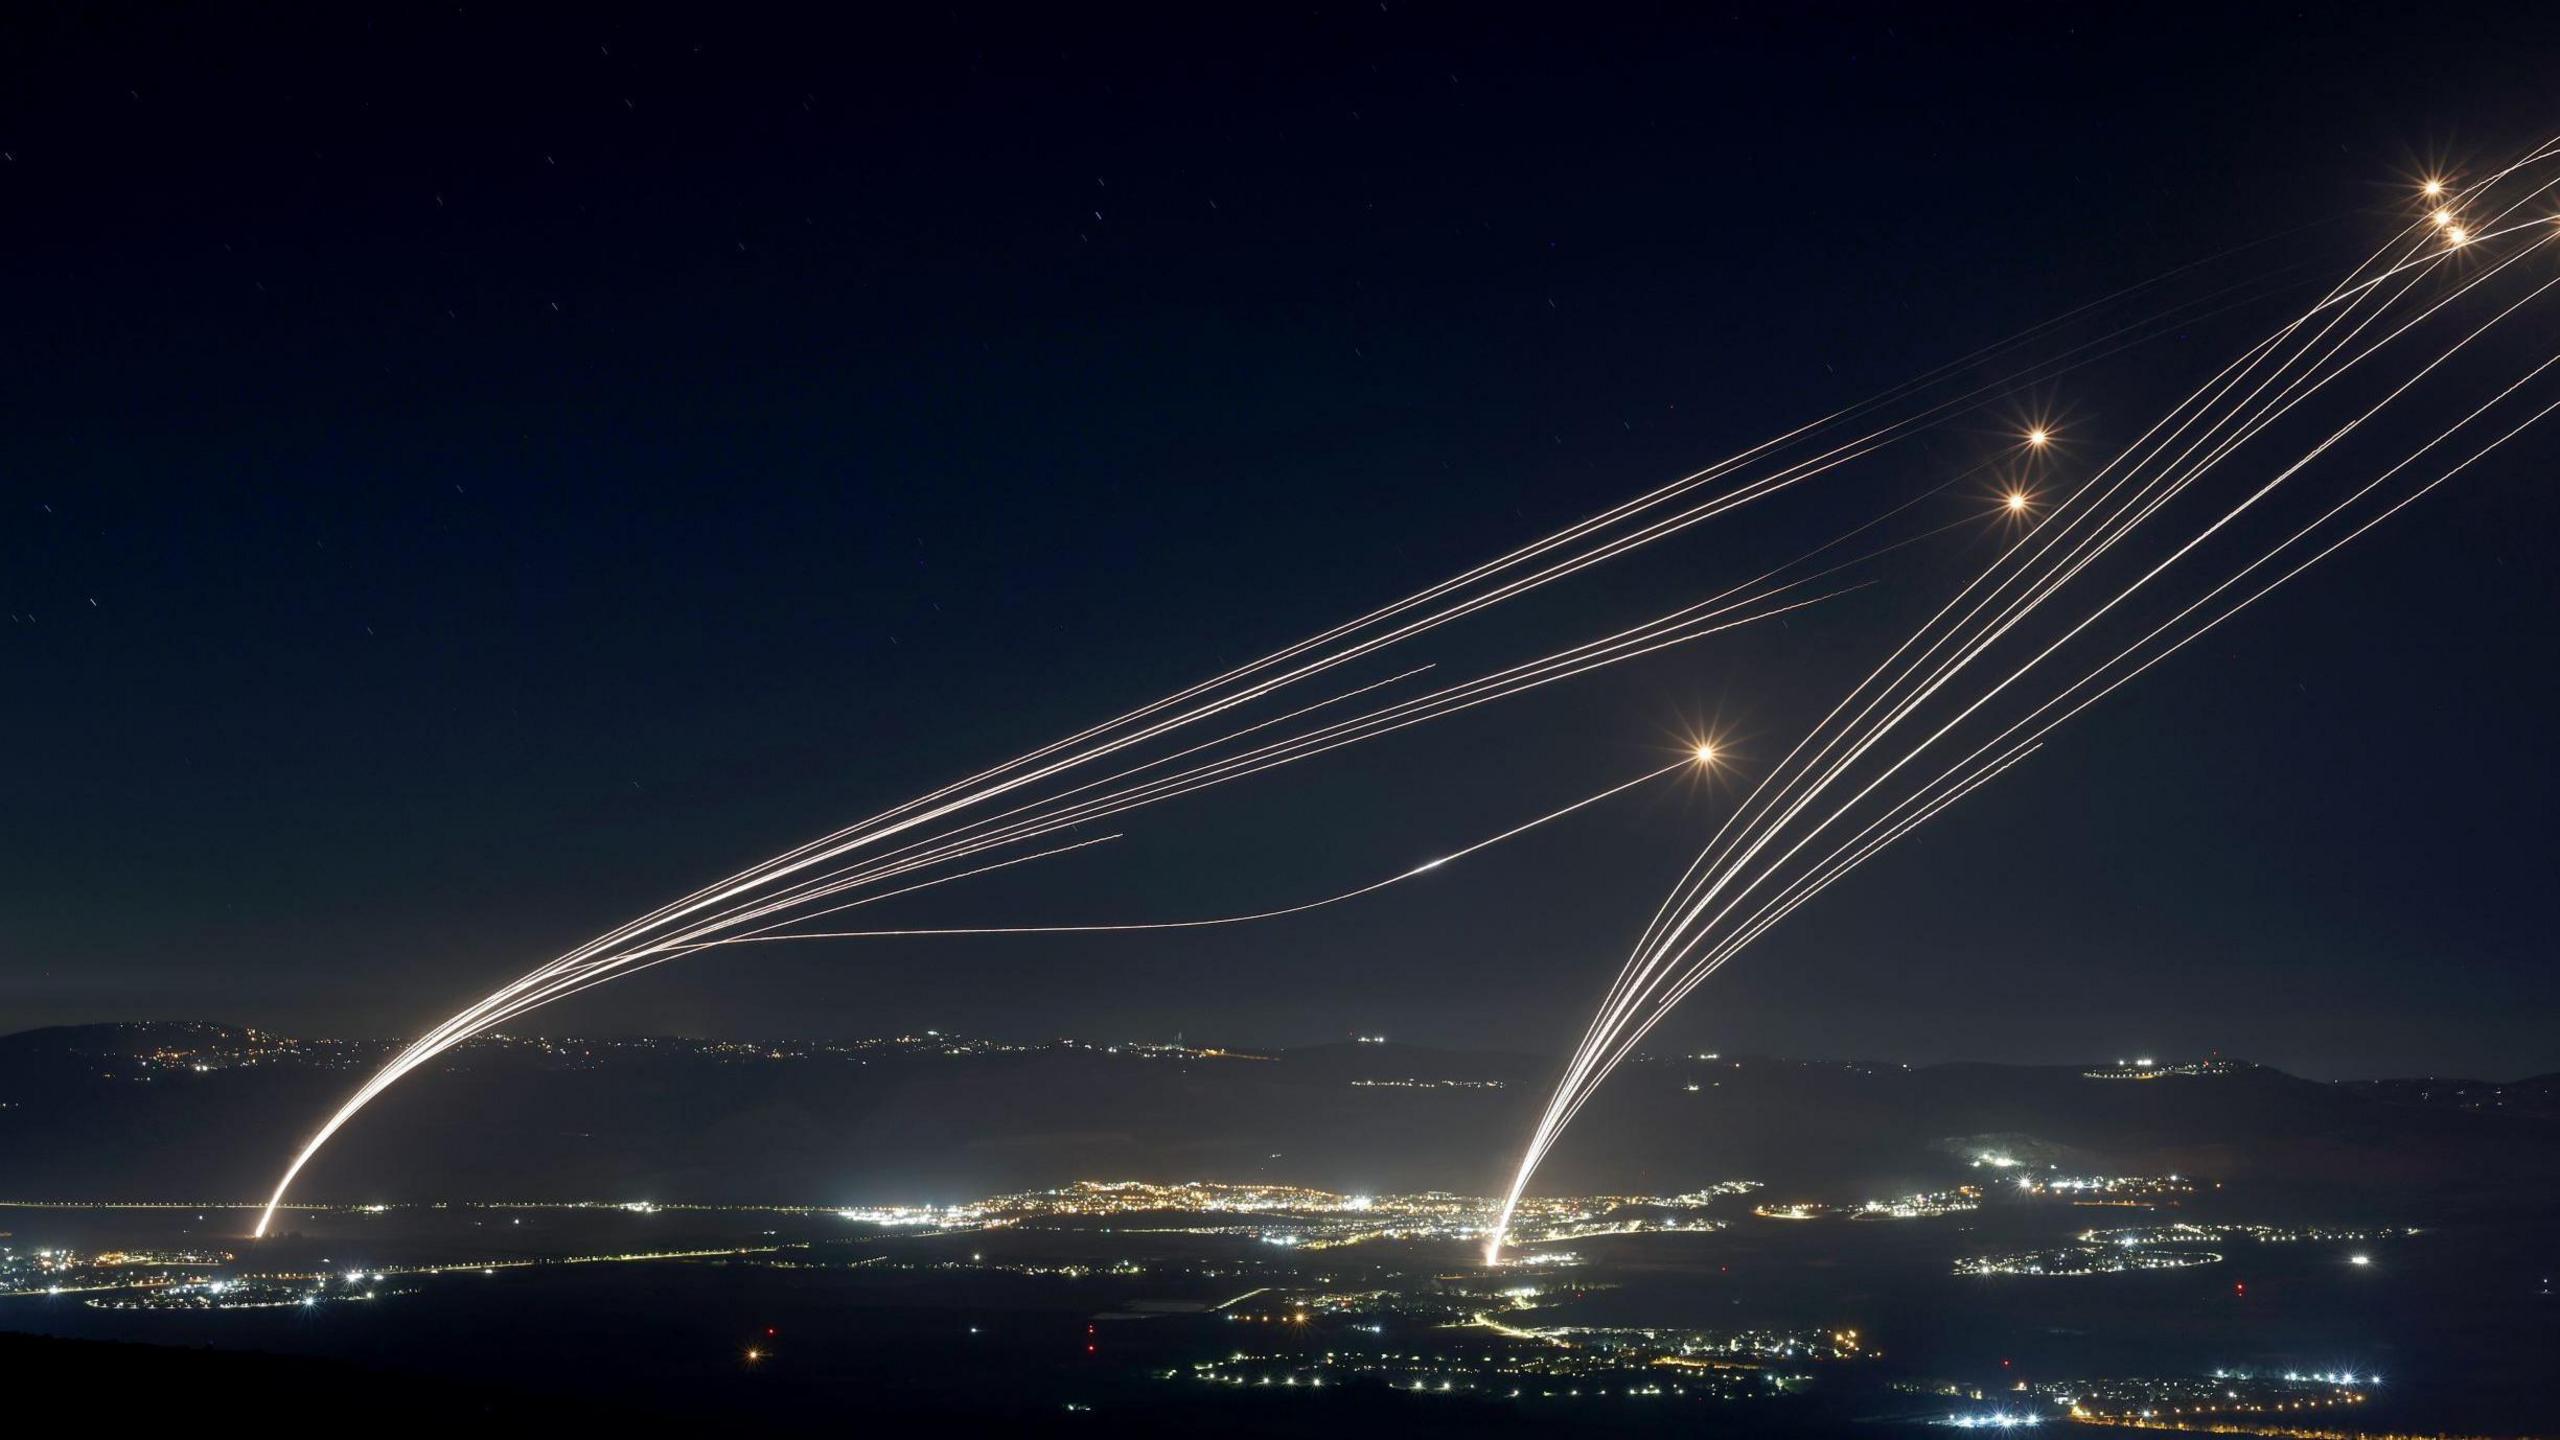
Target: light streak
(621, 953)
(1426, 867)
(1712, 915)
(1729, 826)
(756, 902)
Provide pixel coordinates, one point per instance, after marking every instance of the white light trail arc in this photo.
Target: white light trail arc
(1711, 914)
(1685, 762)
(781, 889)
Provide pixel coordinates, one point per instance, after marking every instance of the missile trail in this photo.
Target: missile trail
(1757, 868)
(563, 978)
(1623, 1042)
(935, 830)
(560, 983)
(568, 982)
(1685, 762)
(1728, 827)
(1584, 1060)
(1626, 644)
(1402, 714)
(661, 956)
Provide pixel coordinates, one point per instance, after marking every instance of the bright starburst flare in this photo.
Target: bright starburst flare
(2434, 189)
(1705, 754)
(2038, 438)
(2015, 501)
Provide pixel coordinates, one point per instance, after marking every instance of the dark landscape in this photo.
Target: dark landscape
(2394, 1232)
(1385, 718)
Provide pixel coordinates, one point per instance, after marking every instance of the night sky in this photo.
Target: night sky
(468, 479)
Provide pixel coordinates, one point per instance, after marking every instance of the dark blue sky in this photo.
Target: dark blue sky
(469, 478)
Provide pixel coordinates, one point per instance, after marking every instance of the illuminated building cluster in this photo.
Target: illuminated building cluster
(1672, 1345)
(2191, 1233)
(249, 1293)
(2071, 1260)
(1923, 1206)
(52, 1271)
(210, 1048)
(1298, 1216)
(2182, 1399)
(1566, 1364)
(2174, 1246)
(2108, 1189)
(2149, 1069)
(1556, 1375)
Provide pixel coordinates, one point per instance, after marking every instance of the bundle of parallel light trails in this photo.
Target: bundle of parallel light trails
(2217, 464)
(1782, 846)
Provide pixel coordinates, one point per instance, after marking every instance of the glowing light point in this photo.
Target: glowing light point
(2435, 188)
(2359, 1259)
(2016, 500)
(2038, 436)
(1706, 753)
(2441, 218)
(2457, 236)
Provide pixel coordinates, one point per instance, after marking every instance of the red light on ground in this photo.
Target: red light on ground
(2239, 1289)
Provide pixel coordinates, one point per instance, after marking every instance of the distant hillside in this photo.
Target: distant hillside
(173, 1110)
(128, 1037)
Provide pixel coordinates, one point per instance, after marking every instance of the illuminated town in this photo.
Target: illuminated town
(1317, 1219)
(1925, 1206)
(1281, 1289)
(1263, 1287)
(1246, 1290)
(2150, 1069)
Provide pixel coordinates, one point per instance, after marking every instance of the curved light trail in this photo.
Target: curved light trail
(1763, 863)
(934, 831)
(1686, 762)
